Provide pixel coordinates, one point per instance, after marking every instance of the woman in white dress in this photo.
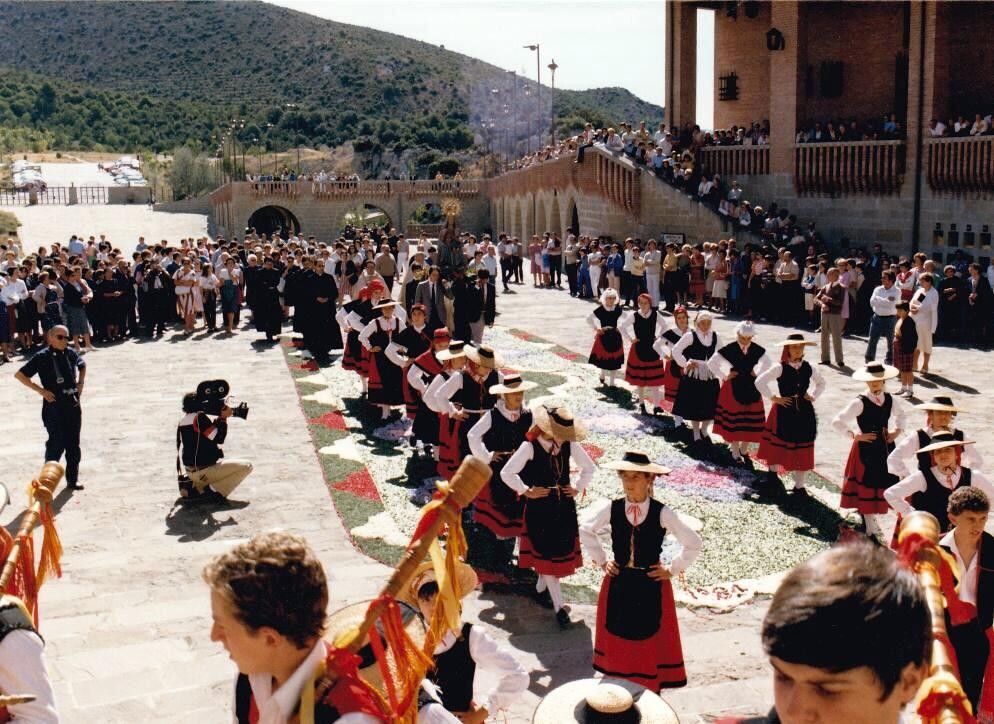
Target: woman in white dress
(185, 279)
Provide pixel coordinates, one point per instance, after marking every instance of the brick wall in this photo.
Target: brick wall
(740, 46)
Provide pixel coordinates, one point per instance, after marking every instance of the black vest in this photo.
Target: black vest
(874, 417)
(474, 395)
(925, 459)
(454, 672)
(12, 618)
(646, 538)
(323, 713)
(504, 435)
(645, 335)
(794, 382)
(935, 499)
(545, 470)
(743, 385)
(608, 318)
(698, 350)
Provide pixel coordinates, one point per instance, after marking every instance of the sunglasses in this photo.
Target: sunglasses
(60, 336)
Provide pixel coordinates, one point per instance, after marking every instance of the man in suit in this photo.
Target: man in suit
(830, 298)
(483, 309)
(431, 293)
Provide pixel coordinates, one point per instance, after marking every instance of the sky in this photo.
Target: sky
(595, 43)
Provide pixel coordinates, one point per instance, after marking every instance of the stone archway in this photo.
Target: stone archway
(268, 220)
(573, 217)
(555, 217)
(541, 217)
(519, 230)
(530, 228)
(368, 215)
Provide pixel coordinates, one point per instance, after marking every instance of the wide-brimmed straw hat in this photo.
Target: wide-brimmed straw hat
(637, 461)
(599, 700)
(558, 423)
(457, 348)
(792, 339)
(385, 303)
(483, 356)
(511, 384)
(943, 439)
(466, 581)
(875, 371)
(347, 619)
(939, 403)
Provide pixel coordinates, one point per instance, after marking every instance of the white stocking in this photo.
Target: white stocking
(677, 420)
(640, 391)
(696, 426)
(799, 478)
(706, 427)
(872, 522)
(611, 377)
(736, 448)
(540, 584)
(555, 591)
(384, 412)
(365, 384)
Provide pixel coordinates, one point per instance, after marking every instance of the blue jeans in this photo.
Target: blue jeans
(881, 327)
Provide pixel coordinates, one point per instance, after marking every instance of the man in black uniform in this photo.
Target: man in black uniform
(57, 366)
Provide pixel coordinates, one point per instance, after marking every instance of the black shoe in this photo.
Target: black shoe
(642, 408)
(75, 486)
(563, 619)
(543, 599)
(800, 493)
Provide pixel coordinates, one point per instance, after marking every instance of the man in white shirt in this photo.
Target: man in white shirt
(659, 136)
(883, 302)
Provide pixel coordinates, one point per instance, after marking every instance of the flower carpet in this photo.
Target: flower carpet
(751, 527)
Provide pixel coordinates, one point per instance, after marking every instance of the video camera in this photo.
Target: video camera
(212, 397)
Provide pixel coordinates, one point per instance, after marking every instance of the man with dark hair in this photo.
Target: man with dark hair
(883, 302)
(848, 634)
(973, 549)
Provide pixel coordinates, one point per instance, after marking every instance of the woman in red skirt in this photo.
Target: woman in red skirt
(637, 633)
(666, 395)
(386, 389)
(873, 421)
(608, 351)
(788, 443)
(539, 472)
(740, 416)
(644, 368)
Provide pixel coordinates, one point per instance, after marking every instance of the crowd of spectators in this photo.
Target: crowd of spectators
(981, 125)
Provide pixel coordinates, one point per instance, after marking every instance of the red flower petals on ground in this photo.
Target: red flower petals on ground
(359, 483)
(330, 420)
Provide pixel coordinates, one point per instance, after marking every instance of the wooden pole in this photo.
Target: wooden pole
(47, 481)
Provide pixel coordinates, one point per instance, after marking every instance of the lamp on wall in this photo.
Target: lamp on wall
(775, 40)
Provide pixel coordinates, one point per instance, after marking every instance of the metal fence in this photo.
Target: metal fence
(54, 196)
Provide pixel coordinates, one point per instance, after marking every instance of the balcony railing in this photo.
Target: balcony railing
(861, 167)
(735, 160)
(960, 164)
(343, 189)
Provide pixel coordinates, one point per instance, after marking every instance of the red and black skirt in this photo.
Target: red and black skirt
(427, 424)
(904, 361)
(498, 508)
(638, 637)
(550, 539)
(453, 443)
(608, 352)
(671, 384)
(736, 421)
(866, 478)
(789, 437)
(355, 357)
(644, 368)
(411, 396)
(385, 381)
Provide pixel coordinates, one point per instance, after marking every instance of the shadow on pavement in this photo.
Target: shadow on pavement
(194, 521)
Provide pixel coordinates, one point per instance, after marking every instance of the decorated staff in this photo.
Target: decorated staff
(539, 471)
(637, 633)
(873, 421)
(494, 439)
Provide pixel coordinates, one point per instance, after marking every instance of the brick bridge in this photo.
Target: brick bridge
(606, 195)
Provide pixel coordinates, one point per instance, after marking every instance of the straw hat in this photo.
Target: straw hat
(637, 461)
(347, 619)
(466, 581)
(558, 423)
(940, 403)
(512, 383)
(943, 439)
(483, 356)
(385, 303)
(591, 700)
(457, 348)
(875, 371)
(792, 339)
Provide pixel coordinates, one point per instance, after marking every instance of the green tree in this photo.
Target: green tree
(189, 175)
(44, 102)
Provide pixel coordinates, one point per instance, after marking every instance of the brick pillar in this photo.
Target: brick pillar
(917, 120)
(937, 41)
(681, 62)
(785, 79)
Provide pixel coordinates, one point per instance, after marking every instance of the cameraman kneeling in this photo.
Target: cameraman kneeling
(202, 437)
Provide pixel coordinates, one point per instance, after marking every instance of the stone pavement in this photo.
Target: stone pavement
(127, 626)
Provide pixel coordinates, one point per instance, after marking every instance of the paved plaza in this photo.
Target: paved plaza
(127, 626)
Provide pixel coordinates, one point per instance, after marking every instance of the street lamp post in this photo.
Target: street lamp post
(552, 106)
(538, 81)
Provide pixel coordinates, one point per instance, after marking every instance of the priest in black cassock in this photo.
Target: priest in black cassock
(322, 328)
(267, 312)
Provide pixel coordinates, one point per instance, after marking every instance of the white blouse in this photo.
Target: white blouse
(511, 472)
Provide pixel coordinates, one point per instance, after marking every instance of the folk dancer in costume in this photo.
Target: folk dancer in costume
(940, 413)
(697, 397)
(385, 375)
(493, 439)
(873, 421)
(539, 471)
(673, 372)
(740, 415)
(354, 357)
(849, 639)
(608, 352)
(269, 598)
(22, 663)
(929, 489)
(461, 400)
(412, 342)
(972, 548)
(644, 367)
(788, 443)
(420, 374)
(458, 658)
(905, 344)
(637, 633)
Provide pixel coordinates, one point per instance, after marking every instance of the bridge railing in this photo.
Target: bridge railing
(960, 164)
(735, 160)
(347, 189)
(859, 167)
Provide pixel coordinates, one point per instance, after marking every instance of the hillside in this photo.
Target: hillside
(293, 77)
